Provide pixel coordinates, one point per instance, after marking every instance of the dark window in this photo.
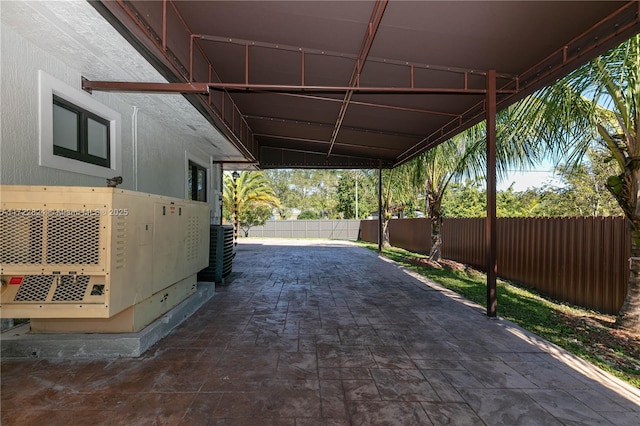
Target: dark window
(80, 134)
(197, 182)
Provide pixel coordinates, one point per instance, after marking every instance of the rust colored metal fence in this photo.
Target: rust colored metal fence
(582, 261)
(410, 234)
(368, 231)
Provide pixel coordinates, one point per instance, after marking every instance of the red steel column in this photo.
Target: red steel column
(380, 208)
(491, 263)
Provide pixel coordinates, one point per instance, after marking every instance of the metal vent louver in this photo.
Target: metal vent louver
(120, 242)
(71, 289)
(34, 288)
(21, 241)
(193, 236)
(73, 239)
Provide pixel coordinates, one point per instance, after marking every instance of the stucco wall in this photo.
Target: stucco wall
(20, 63)
(161, 150)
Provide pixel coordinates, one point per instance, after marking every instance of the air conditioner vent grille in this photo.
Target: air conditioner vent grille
(71, 289)
(21, 237)
(120, 242)
(193, 238)
(34, 288)
(73, 239)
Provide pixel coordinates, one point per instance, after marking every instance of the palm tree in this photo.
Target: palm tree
(434, 170)
(599, 104)
(465, 156)
(397, 193)
(248, 190)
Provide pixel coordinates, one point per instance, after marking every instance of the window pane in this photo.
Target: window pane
(202, 184)
(97, 138)
(197, 182)
(65, 128)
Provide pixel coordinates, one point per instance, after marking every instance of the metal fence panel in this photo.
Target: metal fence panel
(369, 231)
(331, 229)
(578, 260)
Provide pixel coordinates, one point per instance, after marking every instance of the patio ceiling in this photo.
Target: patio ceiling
(357, 84)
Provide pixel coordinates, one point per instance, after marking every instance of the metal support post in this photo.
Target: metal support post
(235, 177)
(380, 236)
(491, 262)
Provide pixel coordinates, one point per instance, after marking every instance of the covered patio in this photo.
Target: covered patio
(325, 333)
(360, 84)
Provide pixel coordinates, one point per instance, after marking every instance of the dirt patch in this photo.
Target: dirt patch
(441, 264)
(597, 335)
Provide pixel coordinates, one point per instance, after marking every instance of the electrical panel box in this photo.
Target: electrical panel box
(97, 259)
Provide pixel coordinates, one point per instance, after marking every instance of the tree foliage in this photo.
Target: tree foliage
(434, 170)
(599, 105)
(469, 200)
(308, 214)
(464, 155)
(357, 193)
(254, 215)
(346, 193)
(248, 192)
(305, 189)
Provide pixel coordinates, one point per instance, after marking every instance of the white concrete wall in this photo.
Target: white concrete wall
(161, 148)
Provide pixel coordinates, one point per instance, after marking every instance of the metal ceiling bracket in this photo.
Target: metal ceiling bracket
(84, 86)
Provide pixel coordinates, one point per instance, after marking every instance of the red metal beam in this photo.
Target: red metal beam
(560, 59)
(246, 64)
(120, 86)
(132, 24)
(203, 88)
(370, 104)
(471, 116)
(367, 42)
(286, 88)
(235, 162)
(329, 53)
(625, 21)
(302, 67)
(320, 124)
(361, 162)
(319, 141)
(164, 25)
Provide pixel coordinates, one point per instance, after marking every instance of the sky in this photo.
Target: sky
(527, 179)
(523, 180)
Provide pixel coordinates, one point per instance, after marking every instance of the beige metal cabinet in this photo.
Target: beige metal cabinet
(97, 259)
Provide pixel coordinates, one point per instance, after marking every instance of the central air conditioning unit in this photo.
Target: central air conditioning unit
(221, 254)
(81, 259)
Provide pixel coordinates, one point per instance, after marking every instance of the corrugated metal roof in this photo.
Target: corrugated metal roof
(281, 71)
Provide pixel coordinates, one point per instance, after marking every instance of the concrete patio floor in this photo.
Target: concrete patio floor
(324, 333)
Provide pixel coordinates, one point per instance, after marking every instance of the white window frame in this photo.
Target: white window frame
(49, 86)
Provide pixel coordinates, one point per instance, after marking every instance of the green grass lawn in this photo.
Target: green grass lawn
(584, 333)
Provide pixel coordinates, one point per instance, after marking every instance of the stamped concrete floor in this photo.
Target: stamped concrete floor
(323, 333)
